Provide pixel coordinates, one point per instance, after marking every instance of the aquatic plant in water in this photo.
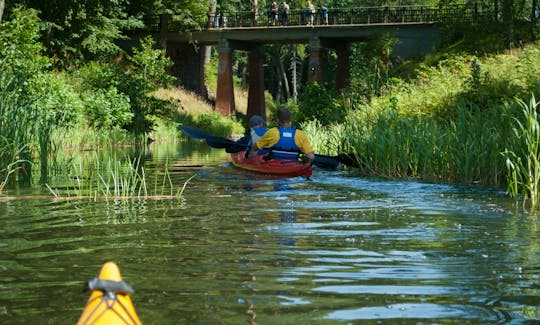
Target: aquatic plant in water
(119, 180)
(523, 161)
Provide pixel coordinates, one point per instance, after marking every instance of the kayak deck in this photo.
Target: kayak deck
(280, 167)
(110, 301)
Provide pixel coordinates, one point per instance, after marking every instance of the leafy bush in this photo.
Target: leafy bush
(121, 95)
(218, 125)
(106, 108)
(146, 74)
(318, 103)
(20, 49)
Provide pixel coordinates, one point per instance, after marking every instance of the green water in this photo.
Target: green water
(241, 249)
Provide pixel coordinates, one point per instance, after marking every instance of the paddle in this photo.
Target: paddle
(230, 146)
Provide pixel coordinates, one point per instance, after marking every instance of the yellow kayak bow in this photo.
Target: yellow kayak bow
(109, 301)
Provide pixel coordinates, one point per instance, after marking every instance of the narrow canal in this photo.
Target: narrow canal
(238, 248)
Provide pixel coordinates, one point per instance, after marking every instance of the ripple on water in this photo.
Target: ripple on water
(417, 311)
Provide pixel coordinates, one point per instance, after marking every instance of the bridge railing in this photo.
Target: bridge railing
(331, 16)
(345, 16)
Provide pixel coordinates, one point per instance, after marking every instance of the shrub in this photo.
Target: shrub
(318, 103)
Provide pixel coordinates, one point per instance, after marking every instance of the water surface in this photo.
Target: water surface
(239, 248)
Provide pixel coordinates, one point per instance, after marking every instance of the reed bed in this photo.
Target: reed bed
(465, 149)
(17, 129)
(523, 160)
(118, 180)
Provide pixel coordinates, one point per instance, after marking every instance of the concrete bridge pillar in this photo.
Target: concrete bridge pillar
(256, 102)
(225, 90)
(315, 72)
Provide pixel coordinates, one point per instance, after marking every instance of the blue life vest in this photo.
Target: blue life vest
(255, 135)
(286, 142)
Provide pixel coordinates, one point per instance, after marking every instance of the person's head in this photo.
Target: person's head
(284, 115)
(256, 121)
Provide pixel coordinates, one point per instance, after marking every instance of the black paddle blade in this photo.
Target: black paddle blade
(326, 162)
(229, 145)
(235, 149)
(348, 159)
(195, 133)
(214, 141)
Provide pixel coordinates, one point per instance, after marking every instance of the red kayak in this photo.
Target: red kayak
(279, 167)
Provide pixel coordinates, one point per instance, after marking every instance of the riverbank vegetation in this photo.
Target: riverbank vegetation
(91, 104)
(116, 180)
(455, 122)
(462, 115)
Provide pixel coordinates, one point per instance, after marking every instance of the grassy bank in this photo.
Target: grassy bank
(453, 123)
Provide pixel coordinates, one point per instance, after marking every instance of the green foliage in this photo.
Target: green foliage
(450, 124)
(83, 30)
(121, 95)
(16, 127)
(20, 51)
(56, 100)
(218, 125)
(318, 103)
(22, 67)
(107, 108)
(146, 74)
(523, 160)
(370, 67)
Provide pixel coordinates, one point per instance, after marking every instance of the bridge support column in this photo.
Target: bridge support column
(225, 90)
(256, 102)
(343, 51)
(315, 72)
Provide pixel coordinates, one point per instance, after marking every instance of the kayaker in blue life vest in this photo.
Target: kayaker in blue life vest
(257, 128)
(285, 141)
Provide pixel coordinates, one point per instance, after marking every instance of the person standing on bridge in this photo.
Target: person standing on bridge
(323, 14)
(284, 13)
(273, 17)
(310, 12)
(284, 141)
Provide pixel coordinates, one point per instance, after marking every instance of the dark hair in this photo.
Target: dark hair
(284, 115)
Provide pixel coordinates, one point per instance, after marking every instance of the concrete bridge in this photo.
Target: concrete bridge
(416, 28)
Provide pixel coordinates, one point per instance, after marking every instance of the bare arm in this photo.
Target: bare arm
(253, 151)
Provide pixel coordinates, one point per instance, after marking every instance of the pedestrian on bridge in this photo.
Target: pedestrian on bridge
(273, 14)
(323, 14)
(284, 8)
(310, 8)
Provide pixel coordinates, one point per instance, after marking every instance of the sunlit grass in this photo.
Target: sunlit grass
(523, 160)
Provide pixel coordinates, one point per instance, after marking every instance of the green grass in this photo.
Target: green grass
(523, 160)
(449, 124)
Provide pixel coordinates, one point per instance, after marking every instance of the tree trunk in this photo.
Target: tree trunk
(2, 2)
(508, 22)
(283, 74)
(209, 24)
(294, 74)
(534, 19)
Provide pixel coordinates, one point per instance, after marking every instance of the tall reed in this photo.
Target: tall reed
(17, 127)
(523, 158)
(117, 179)
(463, 149)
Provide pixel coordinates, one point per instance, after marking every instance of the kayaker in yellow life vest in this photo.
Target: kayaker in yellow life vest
(285, 140)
